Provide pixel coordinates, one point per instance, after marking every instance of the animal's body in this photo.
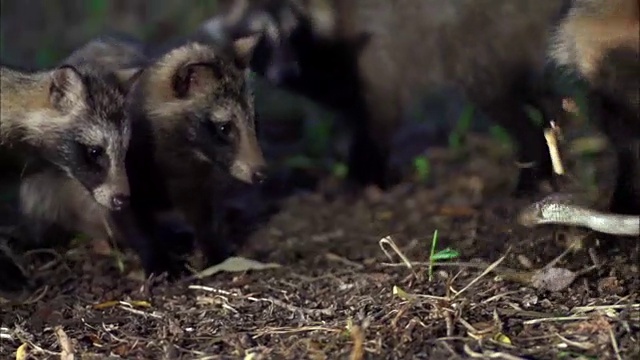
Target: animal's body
(599, 41)
(192, 127)
(371, 59)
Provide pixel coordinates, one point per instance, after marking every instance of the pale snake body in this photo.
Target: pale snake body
(562, 209)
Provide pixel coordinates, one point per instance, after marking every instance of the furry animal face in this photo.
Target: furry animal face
(199, 97)
(93, 133)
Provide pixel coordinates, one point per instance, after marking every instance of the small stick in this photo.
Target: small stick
(550, 135)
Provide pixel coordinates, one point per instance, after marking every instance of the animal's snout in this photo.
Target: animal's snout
(119, 202)
(259, 176)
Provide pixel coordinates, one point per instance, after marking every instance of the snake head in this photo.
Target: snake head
(557, 208)
(531, 215)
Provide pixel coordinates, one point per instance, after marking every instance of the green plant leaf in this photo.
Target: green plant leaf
(500, 134)
(462, 127)
(340, 170)
(422, 166)
(446, 254)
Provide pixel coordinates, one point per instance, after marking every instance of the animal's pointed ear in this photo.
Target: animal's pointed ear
(67, 88)
(128, 77)
(192, 79)
(243, 49)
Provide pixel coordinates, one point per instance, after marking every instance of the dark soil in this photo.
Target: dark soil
(333, 297)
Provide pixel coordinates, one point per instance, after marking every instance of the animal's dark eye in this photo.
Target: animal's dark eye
(224, 130)
(94, 152)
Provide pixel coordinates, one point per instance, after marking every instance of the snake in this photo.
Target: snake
(564, 209)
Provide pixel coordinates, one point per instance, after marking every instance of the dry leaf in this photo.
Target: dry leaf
(121, 350)
(236, 264)
(65, 344)
(250, 356)
(22, 352)
(502, 338)
(401, 293)
(106, 304)
(140, 303)
(553, 279)
(357, 353)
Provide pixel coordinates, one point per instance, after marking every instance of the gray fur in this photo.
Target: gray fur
(171, 145)
(49, 197)
(73, 195)
(62, 127)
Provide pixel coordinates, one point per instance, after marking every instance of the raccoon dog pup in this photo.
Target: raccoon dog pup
(73, 117)
(46, 194)
(194, 119)
(370, 59)
(599, 41)
(192, 123)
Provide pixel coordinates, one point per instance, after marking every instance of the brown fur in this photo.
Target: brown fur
(486, 49)
(490, 50)
(22, 91)
(173, 178)
(599, 41)
(591, 31)
(165, 113)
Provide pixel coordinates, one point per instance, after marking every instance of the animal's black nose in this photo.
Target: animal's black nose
(259, 177)
(118, 202)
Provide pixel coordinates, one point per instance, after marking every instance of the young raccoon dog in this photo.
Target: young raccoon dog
(194, 121)
(192, 124)
(73, 118)
(369, 59)
(599, 41)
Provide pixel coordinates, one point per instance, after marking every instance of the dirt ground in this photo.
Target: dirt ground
(337, 295)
